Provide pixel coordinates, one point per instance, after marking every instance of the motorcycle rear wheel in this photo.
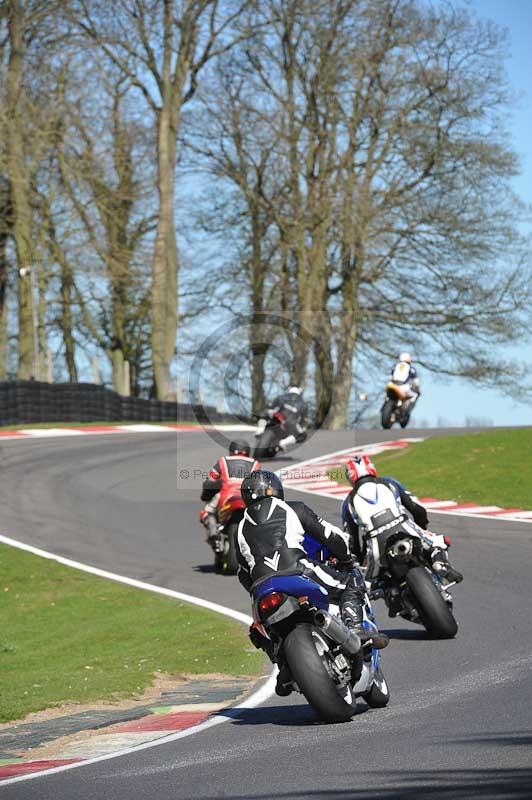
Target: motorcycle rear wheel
(265, 447)
(387, 413)
(229, 561)
(310, 672)
(434, 612)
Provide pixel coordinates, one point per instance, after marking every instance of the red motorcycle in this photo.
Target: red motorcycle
(230, 511)
(268, 442)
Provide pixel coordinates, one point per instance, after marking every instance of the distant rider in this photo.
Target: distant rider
(370, 495)
(270, 540)
(228, 469)
(295, 410)
(404, 374)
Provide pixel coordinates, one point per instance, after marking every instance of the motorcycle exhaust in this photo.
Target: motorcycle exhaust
(338, 632)
(401, 550)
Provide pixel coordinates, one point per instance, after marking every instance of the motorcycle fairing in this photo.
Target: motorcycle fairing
(314, 549)
(398, 391)
(296, 586)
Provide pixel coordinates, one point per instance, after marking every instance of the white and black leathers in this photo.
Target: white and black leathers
(270, 541)
(370, 497)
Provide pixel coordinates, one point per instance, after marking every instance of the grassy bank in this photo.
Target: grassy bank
(70, 636)
(489, 468)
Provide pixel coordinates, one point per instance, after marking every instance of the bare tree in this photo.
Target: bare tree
(106, 183)
(161, 48)
(5, 214)
(393, 204)
(18, 25)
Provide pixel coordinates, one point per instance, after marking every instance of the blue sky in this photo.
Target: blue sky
(456, 400)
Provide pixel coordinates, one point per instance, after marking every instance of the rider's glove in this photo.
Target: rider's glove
(346, 565)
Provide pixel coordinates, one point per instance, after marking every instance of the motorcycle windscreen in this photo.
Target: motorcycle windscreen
(296, 586)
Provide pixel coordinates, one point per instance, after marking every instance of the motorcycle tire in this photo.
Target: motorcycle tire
(218, 563)
(309, 670)
(265, 447)
(434, 612)
(379, 695)
(404, 416)
(229, 557)
(387, 414)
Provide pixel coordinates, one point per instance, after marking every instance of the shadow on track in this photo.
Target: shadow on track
(506, 739)
(485, 784)
(299, 715)
(416, 634)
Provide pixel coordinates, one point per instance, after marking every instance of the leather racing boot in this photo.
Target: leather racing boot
(443, 567)
(211, 525)
(352, 618)
(283, 685)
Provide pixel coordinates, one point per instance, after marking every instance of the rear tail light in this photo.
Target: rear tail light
(448, 541)
(270, 602)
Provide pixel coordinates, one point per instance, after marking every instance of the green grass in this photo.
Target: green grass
(67, 636)
(489, 468)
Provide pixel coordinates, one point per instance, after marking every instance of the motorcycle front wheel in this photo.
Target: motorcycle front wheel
(404, 415)
(434, 612)
(379, 695)
(387, 414)
(265, 447)
(307, 653)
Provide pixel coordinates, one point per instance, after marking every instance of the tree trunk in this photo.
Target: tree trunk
(21, 214)
(66, 322)
(165, 259)
(340, 404)
(41, 307)
(4, 233)
(259, 344)
(324, 371)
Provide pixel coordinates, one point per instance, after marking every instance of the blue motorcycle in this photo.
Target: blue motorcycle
(316, 653)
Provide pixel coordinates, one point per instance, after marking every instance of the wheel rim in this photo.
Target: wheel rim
(323, 650)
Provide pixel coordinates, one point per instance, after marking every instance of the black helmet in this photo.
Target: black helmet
(260, 484)
(239, 447)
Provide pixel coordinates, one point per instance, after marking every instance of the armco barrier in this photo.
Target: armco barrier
(32, 402)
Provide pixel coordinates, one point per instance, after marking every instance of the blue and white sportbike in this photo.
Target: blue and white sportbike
(398, 562)
(316, 653)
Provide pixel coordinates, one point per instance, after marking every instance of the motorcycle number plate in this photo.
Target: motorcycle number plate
(340, 661)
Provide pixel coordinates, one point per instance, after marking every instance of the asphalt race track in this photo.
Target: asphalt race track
(459, 721)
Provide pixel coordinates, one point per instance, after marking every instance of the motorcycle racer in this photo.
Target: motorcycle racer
(404, 374)
(371, 494)
(232, 468)
(270, 541)
(294, 408)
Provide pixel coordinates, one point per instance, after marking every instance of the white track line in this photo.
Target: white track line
(258, 697)
(29, 434)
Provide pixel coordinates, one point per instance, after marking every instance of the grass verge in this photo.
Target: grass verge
(67, 636)
(488, 468)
